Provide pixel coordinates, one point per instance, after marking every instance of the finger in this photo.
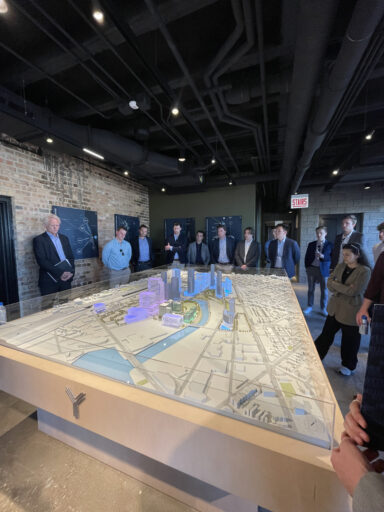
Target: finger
(354, 431)
(355, 411)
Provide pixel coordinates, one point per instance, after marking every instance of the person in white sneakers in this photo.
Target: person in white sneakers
(347, 283)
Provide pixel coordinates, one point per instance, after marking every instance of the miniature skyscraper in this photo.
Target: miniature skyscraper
(156, 285)
(175, 290)
(212, 285)
(191, 281)
(219, 284)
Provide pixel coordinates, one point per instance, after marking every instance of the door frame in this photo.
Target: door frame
(7, 252)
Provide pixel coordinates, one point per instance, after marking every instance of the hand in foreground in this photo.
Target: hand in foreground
(360, 314)
(351, 464)
(65, 276)
(354, 423)
(243, 267)
(167, 247)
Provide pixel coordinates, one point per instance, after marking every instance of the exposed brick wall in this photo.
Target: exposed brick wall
(35, 183)
(342, 200)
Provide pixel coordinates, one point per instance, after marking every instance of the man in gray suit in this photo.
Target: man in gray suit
(198, 252)
(348, 236)
(247, 251)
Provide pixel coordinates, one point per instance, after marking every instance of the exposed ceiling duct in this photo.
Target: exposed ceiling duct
(314, 26)
(365, 18)
(114, 148)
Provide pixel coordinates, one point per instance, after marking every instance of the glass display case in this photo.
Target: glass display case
(218, 338)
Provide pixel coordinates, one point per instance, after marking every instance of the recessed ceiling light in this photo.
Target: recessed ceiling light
(369, 135)
(290, 212)
(335, 172)
(230, 183)
(90, 152)
(213, 161)
(181, 158)
(49, 140)
(367, 186)
(126, 173)
(3, 7)
(98, 16)
(175, 111)
(163, 189)
(133, 105)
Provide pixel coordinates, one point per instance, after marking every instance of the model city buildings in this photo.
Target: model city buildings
(163, 298)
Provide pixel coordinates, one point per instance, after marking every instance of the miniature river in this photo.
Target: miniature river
(110, 363)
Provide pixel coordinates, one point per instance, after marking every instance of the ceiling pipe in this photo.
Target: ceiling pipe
(172, 134)
(365, 19)
(313, 31)
(211, 76)
(175, 52)
(112, 147)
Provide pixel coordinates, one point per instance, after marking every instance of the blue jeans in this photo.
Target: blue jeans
(314, 276)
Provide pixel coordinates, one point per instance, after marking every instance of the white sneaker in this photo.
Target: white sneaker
(345, 371)
(307, 311)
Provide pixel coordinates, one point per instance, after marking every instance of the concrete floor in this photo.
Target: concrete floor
(40, 474)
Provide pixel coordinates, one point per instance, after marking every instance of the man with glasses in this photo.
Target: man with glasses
(116, 257)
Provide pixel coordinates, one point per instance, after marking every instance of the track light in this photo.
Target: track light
(335, 172)
(367, 186)
(213, 161)
(49, 140)
(133, 105)
(90, 152)
(98, 16)
(175, 111)
(126, 173)
(163, 189)
(369, 135)
(3, 7)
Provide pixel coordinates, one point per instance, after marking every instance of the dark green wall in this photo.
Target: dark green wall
(238, 200)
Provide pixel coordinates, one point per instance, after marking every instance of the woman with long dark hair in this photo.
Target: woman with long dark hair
(347, 283)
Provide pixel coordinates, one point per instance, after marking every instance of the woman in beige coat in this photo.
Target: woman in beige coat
(347, 283)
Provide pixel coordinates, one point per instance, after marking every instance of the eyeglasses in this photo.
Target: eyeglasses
(122, 252)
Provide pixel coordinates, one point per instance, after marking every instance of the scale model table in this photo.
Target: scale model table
(212, 374)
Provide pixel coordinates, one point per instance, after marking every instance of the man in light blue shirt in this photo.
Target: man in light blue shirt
(116, 257)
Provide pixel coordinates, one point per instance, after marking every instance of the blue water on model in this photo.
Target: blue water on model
(106, 362)
(110, 363)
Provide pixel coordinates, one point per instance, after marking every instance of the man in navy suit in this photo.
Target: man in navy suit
(176, 246)
(317, 263)
(223, 247)
(284, 252)
(50, 249)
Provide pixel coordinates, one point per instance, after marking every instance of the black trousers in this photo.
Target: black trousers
(143, 265)
(350, 341)
(48, 286)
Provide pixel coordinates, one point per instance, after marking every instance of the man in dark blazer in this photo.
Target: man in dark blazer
(284, 252)
(176, 246)
(51, 249)
(247, 251)
(348, 236)
(142, 254)
(223, 247)
(317, 263)
(198, 251)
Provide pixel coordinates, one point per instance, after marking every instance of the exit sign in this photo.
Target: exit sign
(300, 201)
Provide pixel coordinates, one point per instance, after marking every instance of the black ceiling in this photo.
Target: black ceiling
(279, 92)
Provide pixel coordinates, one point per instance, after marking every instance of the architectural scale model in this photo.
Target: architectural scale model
(237, 344)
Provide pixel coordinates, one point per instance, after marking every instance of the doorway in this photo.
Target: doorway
(8, 276)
